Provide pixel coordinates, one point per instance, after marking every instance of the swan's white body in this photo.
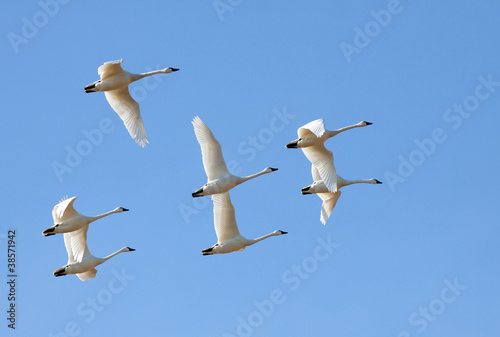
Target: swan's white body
(67, 219)
(219, 179)
(80, 261)
(312, 137)
(114, 82)
(330, 199)
(229, 238)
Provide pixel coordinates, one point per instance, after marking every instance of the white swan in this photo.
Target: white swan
(219, 179)
(67, 219)
(329, 198)
(229, 238)
(114, 82)
(311, 140)
(80, 261)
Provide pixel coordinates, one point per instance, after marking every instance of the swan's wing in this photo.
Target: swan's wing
(317, 127)
(329, 202)
(128, 110)
(87, 275)
(76, 244)
(110, 68)
(211, 151)
(224, 217)
(64, 210)
(315, 173)
(322, 159)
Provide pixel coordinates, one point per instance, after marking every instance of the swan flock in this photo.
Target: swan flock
(114, 82)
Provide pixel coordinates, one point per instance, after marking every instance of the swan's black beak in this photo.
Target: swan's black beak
(378, 182)
(125, 209)
(131, 249)
(90, 88)
(273, 169)
(207, 251)
(60, 272)
(368, 123)
(174, 69)
(49, 231)
(306, 189)
(283, 232)
(292, 145)
(197, 193)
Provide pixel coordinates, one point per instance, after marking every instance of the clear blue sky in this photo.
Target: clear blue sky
(416, 256)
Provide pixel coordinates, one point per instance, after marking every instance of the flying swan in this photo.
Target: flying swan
(80, 261)
(219, 179)
(329, 198)
(229, 238)
(114, 82)
(312, 137)
(67, 219)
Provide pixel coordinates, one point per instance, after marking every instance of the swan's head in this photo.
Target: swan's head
(270, 169)
(121, 209)
(374, 181)
(169, 70)
(62, 271)
(127, 249)
(364, 123)
(278, 232)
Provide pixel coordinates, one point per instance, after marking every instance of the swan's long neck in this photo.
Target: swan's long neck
(243, 179)
(149, 73)
(104, 259)
(261, 238)
(97, 217)
(346, 182)
(336, 132)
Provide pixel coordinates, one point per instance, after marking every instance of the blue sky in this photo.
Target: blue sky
(415, 256)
